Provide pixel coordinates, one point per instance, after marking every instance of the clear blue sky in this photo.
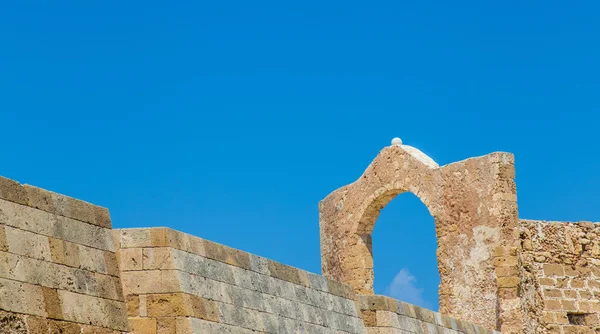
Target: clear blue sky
(231, 120)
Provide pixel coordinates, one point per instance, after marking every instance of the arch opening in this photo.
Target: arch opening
(404, 248)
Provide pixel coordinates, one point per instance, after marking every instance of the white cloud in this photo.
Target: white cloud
(403, 288)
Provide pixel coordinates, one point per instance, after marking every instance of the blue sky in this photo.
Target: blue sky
(231, 120)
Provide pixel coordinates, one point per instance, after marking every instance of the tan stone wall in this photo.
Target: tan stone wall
(473, 203)
(560, 277)
(58, 268)
(178, 283)
(384, 315)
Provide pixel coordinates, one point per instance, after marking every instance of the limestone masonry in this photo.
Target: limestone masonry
(63, 269)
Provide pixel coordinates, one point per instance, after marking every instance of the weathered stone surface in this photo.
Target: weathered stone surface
(93, 311)
(21, 297)
(51, 225)
(473, 203)
(557, 277)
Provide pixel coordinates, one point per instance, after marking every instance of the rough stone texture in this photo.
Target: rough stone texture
(174, 281)
(474, 206)
(560, 277)
(386, 315)
(58, 267)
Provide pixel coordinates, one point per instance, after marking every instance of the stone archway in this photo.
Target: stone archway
(473, 203)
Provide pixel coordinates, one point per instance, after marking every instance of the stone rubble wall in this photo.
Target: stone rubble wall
(384, 315)
(560, 276)
(178, 283)
(58, 267)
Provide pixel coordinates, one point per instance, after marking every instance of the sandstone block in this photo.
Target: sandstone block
(135, 237)
(63, 327)
(552, 305)
(111, 264)
(340, 289)
(547, 281)
(166, 326)
(91, 259)
(227, 255)
(507, 282)
(179, 304)
(52, 303)
(143, 326)
(553, 270)
(67, 206)
(21, 297)
(133, 305)
(131, 259)
(152, 281)
(552, 293)
(259, 264)
(12, 191)
(28, 244)
(3, 241)
(286, 273)
(158, 258)
(64, 252)
(94, 311)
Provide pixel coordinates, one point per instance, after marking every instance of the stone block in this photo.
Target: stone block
(508, 282)
(409, 324)
(552, 293)
(21, 298)
(259, 264)
(547, 281)
(63, 327)
(152, 281)
(380, 303)
(386, 319)
(131, 259)
(159, 238)
(135, 237)
(111, 264)
(64, 252)
(52, 303)
(67, 206)
(158, 258)
(12, 191)
(285, 272)
(94, 311)
(227, 255)
(52, 275)
(553, 270)
(143, 326)
(133, 305)
(180, 304)
(552, 305)
(109, 287)
(425, 315)
(340, 289)
(34, 324)
(91, 259)
(28, 244)
(166, 326)
(240, 317)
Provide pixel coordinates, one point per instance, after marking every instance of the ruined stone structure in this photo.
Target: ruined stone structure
(63, 269)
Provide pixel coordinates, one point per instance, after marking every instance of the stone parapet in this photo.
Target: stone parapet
(177, 281)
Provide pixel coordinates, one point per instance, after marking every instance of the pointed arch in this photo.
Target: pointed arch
(472, 207)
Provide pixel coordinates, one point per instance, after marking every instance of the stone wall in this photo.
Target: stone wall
(384, 315)
(178, 283)
(560, 277)
(58, 268)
